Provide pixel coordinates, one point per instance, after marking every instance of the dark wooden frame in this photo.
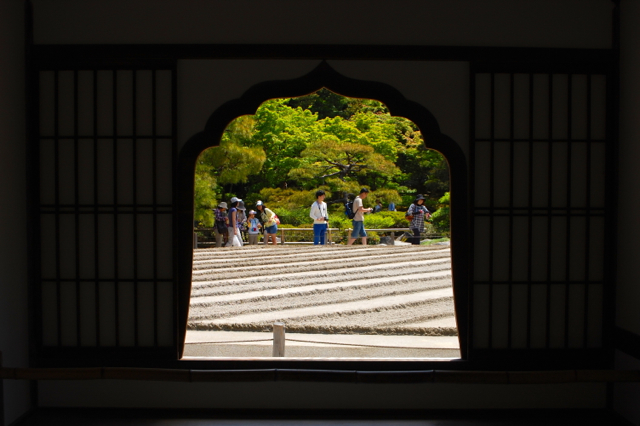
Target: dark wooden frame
(65, 57)
(76, 209)
(562, 357)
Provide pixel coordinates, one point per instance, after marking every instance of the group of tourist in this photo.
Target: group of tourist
(232, 221)
(231, 224)
(417, 214)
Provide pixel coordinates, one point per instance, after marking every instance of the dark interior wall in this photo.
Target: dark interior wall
(319, 396)
(628, 288)
(495, 23)
(205, 85)
(524, 23)
(442, 87)
(13, 207)
(628, 314)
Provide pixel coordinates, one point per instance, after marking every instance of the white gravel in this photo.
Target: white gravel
(365, 290)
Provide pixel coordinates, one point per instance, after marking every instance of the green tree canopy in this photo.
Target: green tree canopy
(332, 158)
(291, 147)
(229, 163)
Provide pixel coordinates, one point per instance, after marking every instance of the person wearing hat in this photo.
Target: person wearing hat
(253, 225)
(358, 218)
(320, 217)
(220, 223)
(242, 219)
(417, 214)
(233, 229)
(269, 220)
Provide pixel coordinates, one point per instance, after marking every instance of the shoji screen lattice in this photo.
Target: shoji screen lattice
(106, 162)
(539, 218)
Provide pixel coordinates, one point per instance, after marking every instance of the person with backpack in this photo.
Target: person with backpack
(358, 212)
(417, 214)
(320, 218)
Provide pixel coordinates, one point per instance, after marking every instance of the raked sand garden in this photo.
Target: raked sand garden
(338, 301)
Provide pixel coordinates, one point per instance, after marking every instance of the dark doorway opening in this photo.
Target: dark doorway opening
(325, 76)
(391, 300)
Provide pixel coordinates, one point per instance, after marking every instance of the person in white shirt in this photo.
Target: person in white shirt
(358, 219)
(320, 218)
(233, 227)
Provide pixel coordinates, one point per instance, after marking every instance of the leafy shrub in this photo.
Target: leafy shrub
(385, 195)
(287, 198)
(397, 219)
(294, 217)
(440, 217)
(339, 221)
(378, 221)
(372, 238)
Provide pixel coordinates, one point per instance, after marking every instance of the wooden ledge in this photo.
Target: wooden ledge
(332, 376)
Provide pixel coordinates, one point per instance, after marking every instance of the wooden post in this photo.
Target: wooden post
(282, 238)
(278, 339)
(1, 395)
(327, 239)
(195, 240)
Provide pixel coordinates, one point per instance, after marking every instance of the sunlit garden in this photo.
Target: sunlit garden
(332, 302)
(294, 146)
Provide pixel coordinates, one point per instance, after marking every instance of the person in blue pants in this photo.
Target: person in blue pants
(320, 218)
